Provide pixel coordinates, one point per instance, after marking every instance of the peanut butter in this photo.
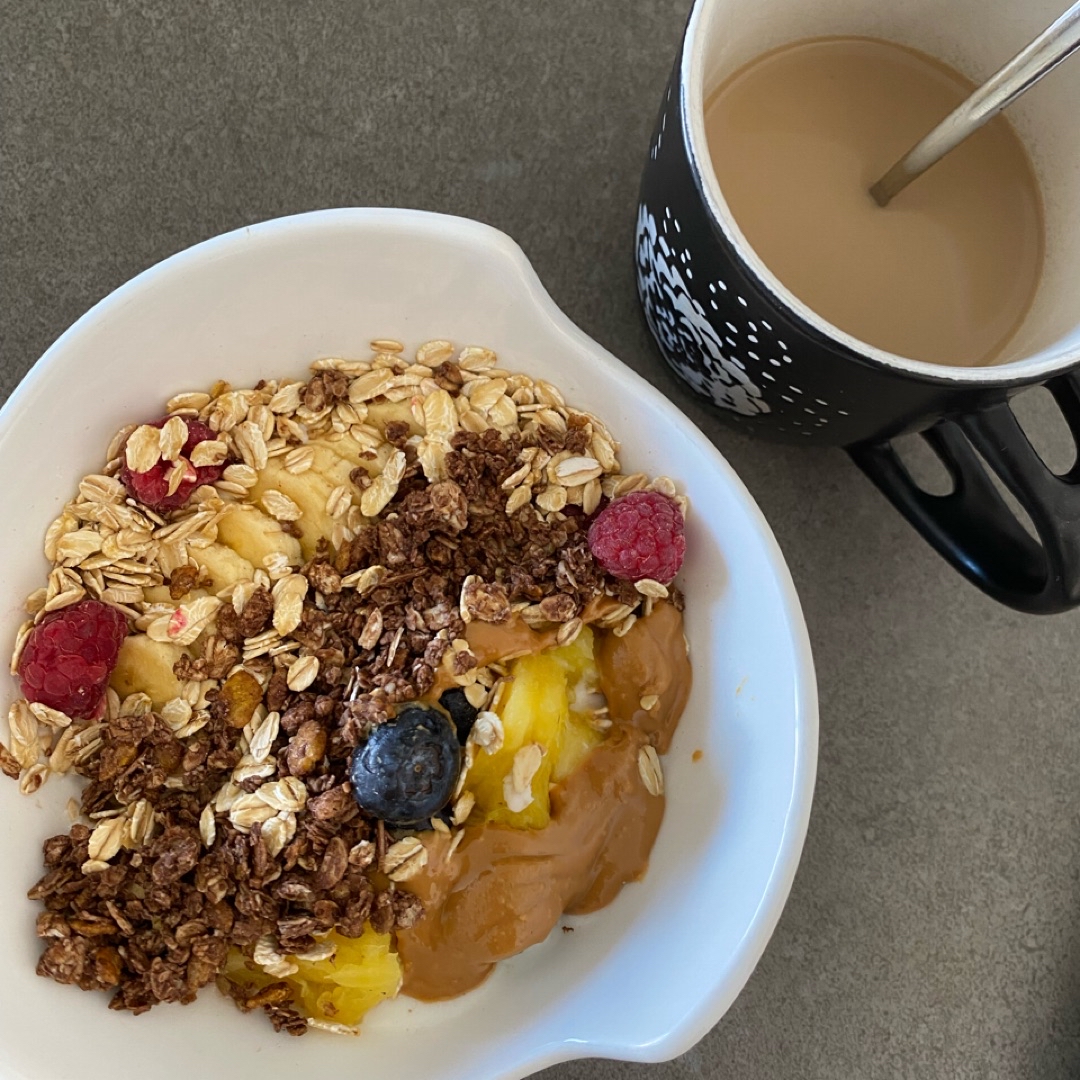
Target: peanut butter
(493, 643)
(650, 660)
(504, 889)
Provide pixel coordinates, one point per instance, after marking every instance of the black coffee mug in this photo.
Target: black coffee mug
(731, 330)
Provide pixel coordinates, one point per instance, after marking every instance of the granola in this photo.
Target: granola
(360, 522)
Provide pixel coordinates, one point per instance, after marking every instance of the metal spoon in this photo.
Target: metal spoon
(1025, 69)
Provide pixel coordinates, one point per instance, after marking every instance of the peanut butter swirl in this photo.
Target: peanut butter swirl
(506, 888)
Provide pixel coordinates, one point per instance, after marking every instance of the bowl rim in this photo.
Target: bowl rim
(699, 1019)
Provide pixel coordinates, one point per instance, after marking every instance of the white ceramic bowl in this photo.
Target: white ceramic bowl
(643, 979)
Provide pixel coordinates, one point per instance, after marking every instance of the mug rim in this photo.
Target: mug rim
(1020, 372)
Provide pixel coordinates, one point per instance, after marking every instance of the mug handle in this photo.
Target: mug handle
(973, 527)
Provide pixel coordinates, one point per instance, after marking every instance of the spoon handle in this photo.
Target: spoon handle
(1026, 68)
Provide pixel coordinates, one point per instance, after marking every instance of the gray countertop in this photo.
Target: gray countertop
(933, 928)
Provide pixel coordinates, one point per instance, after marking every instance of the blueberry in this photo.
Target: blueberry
(407, 769)
(461, 712)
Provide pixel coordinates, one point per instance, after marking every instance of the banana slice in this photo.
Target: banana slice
(310, 491)
(349, 449)
(253, 535)
(223, 565)
(146, 665)
(335, 468)
(161, 594)
(380, 413)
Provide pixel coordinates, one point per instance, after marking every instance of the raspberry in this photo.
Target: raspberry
(639, 536)
(151, 488)
(69, 656)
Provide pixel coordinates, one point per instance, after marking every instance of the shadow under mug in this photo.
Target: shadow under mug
(731, 330)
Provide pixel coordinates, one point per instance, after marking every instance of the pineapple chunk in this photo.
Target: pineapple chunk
(535, 711)
(579, 737)
(361, 974)
(254, 536)
(146, 666)
(546, 704)
(358, 977)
